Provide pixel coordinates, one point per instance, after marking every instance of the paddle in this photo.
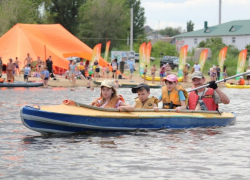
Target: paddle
(144, 110)
(222, 80)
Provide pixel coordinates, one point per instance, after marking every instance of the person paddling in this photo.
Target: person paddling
(110, 99)
(205, 98)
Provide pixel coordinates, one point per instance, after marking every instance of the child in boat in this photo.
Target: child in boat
(241, 81)
(110, 99)
(143, 101)
(173, 96)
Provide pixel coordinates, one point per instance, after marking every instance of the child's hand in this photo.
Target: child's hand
(121, 108)
(178, 109)
(156, 109)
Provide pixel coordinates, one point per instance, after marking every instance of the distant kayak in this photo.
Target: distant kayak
(237, 86)
(149, 78)
(130, 84)
(21, 84)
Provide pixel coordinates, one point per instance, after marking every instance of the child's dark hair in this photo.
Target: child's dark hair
(141, 89)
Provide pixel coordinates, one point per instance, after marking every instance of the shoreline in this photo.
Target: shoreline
(62, 82)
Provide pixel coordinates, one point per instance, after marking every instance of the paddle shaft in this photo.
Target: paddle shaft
(145, 110)
(222, 80)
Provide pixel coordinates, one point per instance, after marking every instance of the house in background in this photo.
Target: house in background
(235, 33)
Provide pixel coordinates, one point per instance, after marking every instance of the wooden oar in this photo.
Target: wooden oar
(223, 80)
(144, 110)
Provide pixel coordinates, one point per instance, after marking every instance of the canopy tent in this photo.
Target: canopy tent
(43, 40)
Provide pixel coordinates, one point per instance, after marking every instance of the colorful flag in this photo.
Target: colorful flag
(241, 62)
(96, 52)
(148, 53)
(142, 57)
(182, 60)
(222, 57)
(203, 57)
(107, 51)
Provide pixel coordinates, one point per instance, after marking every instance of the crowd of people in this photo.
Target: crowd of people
(173, 96)
(42, 69)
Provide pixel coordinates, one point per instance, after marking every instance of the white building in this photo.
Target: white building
(235, 33)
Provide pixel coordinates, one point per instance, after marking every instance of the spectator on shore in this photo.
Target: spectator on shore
(17, 64)
(185, 73)
(168, 69)
(28, 60)
(218, 72)
(248, 76)
(9, 70)
(131, 68)
(114, 65)
(224, 72)
(196, 67)
(122, 65)
(153, 70)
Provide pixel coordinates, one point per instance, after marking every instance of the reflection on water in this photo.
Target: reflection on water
(199, 153)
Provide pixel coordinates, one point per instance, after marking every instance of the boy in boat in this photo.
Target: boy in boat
(173, 96)
(241, 81)
(143, 101)
(110, 99)
(205, 98)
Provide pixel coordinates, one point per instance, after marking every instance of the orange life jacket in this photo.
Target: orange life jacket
(173, 97)
(1, 80)
(111, 104)
(241, 82)
(207, 98)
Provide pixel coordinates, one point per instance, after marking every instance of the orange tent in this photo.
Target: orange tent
(43, 40)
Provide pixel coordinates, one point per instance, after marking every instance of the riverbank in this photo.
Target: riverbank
(62, 82)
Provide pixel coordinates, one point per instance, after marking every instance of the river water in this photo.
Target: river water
(199, 153)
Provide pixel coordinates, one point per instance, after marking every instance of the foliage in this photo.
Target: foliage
(161, 48)
(169, 31)
(64, 12)
(190, 26)
(139, 18)
(103, 20)
(17, 11)
(248, 48)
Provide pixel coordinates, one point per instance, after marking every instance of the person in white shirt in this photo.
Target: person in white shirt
(196, 67)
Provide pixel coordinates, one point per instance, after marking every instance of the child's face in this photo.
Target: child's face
(106, 92)
(143, 95)
(170, 85)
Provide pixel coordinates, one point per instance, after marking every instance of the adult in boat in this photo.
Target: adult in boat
(173, 96)
(241, 81)
(109, 97)
(205, 98)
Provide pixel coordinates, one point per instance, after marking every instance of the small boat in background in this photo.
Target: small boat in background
(130, 85)
(230, 85)
(21, 84)
(149, 78)
(73, 117)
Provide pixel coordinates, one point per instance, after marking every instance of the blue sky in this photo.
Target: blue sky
(176, 13)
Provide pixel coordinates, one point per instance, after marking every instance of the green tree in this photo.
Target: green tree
(139, 18)
(190, 26)
(103, 20)
(162, 48)
(17, 11)
(169, 31)
(64, 12)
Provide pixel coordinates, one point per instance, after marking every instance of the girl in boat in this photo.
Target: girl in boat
(173, 96)
(110, 99)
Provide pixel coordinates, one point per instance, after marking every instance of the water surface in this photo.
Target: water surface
(199, 153)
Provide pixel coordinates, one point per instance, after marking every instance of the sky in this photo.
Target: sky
(176, 13)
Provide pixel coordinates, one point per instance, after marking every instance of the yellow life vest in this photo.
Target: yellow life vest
(81, 67)
(173, 97)
(149, 104)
